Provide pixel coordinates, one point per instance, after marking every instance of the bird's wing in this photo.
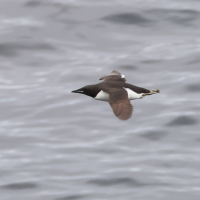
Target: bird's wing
(114, 76)
(114, 72)
(120, 103)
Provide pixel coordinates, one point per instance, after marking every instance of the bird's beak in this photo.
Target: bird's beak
(78, 91)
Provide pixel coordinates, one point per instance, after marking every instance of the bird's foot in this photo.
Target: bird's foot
(155, 91)
(151, 92)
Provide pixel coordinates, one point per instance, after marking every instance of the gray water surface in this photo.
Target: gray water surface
(57, 145)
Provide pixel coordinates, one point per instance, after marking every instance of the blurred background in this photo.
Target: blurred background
(57, 145)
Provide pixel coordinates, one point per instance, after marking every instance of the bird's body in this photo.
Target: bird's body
(99, 90)
(117, 92)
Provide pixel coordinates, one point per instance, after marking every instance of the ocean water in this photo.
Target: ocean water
(57, 145)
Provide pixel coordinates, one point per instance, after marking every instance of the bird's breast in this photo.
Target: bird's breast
(102, 96)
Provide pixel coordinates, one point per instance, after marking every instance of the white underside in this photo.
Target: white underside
(133, 95)
(104, 96)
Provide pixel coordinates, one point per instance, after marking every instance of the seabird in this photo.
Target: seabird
(117, 92)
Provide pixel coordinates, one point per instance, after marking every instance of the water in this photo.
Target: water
(57, 145)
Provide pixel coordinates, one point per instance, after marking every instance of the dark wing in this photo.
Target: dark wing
(114, 76)
(120, 103)
(114, 72)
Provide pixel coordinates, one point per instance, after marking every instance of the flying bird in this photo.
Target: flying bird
(114, 90)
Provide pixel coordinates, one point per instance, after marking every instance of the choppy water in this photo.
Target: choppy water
(57, 145)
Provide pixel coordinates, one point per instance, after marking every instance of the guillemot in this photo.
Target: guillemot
(117, 92)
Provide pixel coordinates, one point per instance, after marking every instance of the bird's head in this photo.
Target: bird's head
(87, 90)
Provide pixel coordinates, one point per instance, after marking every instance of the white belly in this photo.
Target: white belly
(102, 96)
(133, 95)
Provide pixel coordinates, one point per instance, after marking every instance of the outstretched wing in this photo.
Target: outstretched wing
(114, 76)
(120, 103)
(114, 72)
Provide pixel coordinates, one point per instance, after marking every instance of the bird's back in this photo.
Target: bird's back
(120, 85)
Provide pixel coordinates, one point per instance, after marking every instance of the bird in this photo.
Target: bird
(114, 90)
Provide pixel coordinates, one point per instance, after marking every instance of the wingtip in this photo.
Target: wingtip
(103, 77)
